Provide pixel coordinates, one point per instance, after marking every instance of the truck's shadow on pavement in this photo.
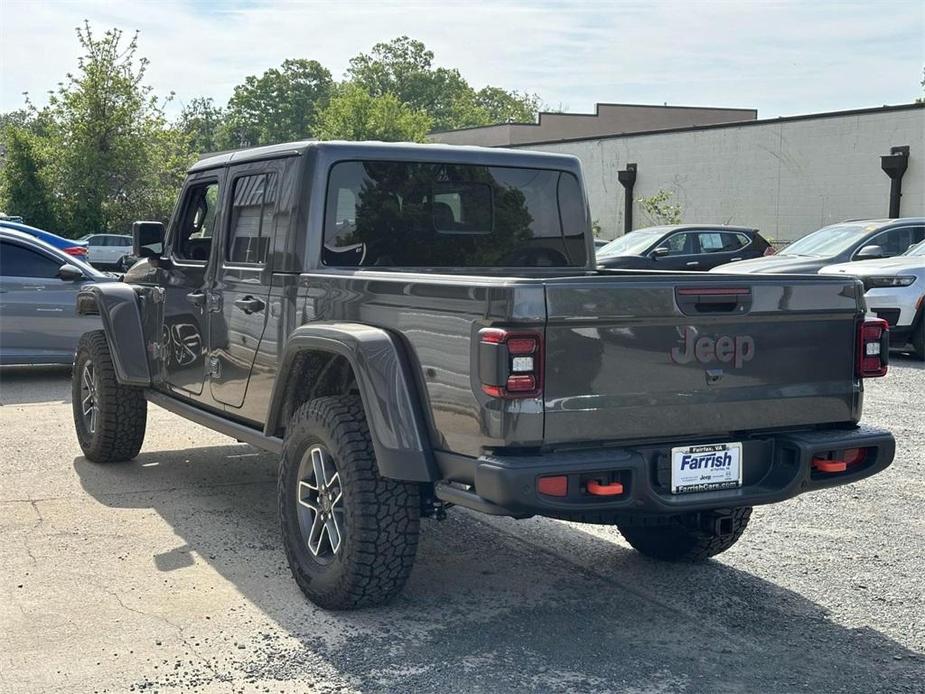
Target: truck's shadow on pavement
(492, 608)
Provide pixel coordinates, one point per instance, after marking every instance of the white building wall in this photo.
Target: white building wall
(786, 177)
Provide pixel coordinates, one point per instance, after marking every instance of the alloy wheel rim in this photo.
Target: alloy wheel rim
(320, 504)
(88, 400)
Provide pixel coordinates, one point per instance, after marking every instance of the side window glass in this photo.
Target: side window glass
(712, 242)
(679, 244)
(197, 223)
(895, 241)
(253, 207)
(16, 261)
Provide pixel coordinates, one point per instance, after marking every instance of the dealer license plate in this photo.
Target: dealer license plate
(706, 468)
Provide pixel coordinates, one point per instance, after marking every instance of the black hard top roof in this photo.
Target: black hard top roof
(397, 151)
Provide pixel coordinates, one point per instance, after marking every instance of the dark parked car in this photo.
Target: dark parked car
(78, 249)
(840, 243)
(415, 327)
(682, 247)
(38, 287)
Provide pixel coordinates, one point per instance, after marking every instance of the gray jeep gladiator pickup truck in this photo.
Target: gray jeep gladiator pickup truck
(415, 327)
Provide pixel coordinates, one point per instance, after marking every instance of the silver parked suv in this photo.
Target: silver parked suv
(895, 292)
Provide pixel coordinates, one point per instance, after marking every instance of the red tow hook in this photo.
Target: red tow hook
(598, 489)
(823, 465)
(848, 457)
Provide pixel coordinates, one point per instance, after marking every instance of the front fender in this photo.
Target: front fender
(387, 388)
(117, 305)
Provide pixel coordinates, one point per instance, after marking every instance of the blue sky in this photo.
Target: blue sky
(781, 57)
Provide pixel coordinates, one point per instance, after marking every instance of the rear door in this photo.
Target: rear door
(242, 287)
(719, 247)
(656, 357)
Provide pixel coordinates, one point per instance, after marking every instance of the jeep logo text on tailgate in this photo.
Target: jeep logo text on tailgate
(736, 350)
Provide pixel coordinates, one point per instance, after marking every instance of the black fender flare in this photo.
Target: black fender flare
(387, 389)
(117, 305)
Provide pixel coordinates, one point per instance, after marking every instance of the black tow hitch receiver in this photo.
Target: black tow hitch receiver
(717, 523)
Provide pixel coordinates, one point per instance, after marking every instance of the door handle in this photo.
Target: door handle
(196, 298)
(249, 304)
(692, 263)
(735, 259)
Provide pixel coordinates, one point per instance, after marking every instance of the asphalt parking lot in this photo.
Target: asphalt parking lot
(167, 574)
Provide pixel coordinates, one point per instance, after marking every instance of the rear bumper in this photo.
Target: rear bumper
(775, 468)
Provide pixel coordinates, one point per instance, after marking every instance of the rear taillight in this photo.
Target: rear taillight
(77, 251)
(510, 363)
(873, 348)
(769, 251)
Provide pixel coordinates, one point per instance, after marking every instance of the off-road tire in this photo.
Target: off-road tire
(381, 516)
(123, 411)
(682, 540)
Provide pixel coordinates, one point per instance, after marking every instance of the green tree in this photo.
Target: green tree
(660, 209)
(355, 114)
(23, 191)
(201, 122)
(279, 106)
(107, 152)
(404, 67)
(502, 106)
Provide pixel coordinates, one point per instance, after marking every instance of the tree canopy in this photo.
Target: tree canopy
(103, 153)
(355, 114)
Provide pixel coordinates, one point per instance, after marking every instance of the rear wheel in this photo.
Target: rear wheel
(109, 418)
(350, 535)
(686, 539)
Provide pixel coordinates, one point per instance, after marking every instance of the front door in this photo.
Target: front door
(186, 278)
(682, 253)
(37, 307)
(242, 287)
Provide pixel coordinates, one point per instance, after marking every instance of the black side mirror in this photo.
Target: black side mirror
(660, 252)
(70, 273)
(869, 252)
(147, 239)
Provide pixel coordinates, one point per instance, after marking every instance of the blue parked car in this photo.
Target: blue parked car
(78, 249)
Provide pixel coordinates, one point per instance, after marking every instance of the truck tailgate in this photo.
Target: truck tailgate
(653, 356)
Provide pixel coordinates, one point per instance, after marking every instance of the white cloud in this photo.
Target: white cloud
(781, 57)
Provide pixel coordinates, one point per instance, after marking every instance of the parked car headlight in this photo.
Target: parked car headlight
(896, 281)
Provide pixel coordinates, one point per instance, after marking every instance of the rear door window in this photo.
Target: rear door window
(409, 214)
(252, 223)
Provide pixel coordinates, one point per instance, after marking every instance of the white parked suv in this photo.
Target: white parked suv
(107, 250)
(895, 291)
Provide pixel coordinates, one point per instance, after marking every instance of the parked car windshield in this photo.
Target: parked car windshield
(417, 214)
(829, 241)
(632, 243)
(917, 250)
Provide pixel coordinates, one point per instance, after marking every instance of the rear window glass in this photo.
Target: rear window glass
(410, 214)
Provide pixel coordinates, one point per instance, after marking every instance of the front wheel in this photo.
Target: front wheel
(686, 539)
(109, 418)
(350, 535)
